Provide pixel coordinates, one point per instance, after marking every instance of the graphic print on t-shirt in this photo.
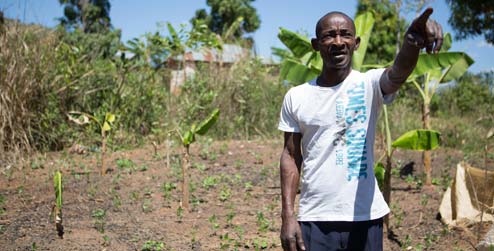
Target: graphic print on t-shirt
(350, 138)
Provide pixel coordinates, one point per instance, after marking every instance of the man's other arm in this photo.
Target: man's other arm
(290, 165)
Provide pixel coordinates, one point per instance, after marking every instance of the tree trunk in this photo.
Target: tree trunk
(103, 151)
(185, 183)
(426, 155)
(387, 188)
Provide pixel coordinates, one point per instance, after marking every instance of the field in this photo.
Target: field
(235, 201)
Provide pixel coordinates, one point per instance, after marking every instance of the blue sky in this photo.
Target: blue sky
(135, 18)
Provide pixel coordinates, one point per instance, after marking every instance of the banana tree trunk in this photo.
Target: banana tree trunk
(185, 183)
(426, 155)
(103, 151)
(387, 188)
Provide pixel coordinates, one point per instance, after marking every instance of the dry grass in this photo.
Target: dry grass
(24, 53)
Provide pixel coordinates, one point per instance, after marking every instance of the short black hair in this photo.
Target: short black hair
(318, 24)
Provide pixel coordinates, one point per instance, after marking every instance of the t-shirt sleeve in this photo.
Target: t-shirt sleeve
(374, 76)
(288, 123)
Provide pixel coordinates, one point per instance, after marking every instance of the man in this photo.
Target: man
(329, 126)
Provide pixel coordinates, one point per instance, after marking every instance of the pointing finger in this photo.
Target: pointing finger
(422, 19)
(439, 38)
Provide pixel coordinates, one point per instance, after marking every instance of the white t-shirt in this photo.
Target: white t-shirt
(338, 129)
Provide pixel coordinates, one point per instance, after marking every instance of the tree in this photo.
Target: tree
(382, 44)
(92, 16)
(225, 13)
(472, 18)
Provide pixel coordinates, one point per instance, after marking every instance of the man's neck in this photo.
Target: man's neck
(332, 77)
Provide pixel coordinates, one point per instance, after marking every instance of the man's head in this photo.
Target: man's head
(336, 40)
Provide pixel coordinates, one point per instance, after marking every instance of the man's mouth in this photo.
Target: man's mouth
(338, 54)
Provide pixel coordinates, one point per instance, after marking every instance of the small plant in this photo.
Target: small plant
(262, 223)
(126, 164)
(398, 215)
(214, 222)
(187, 139)
(57, 208)
(147, 206)
(248, 186)
(99, 222)
(260, 243)
(210, 181)
(225, 194)
(153, 246)
(2, 202)
(104, 126)
(229, 218)
(180, 213)
(167, 188)
(134, 196)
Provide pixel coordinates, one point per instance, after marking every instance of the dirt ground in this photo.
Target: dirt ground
(235, 201)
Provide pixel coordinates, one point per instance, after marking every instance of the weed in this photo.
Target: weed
(239, 231)
(134, 196)
(91, 192)
(398, 215)
(223, 148)
(214, 222)
(430, 239)
(2, 207)
(225, 194)
(106, 240)
(248, 186)
(229, 218)
(2, 229)
(260, 243)
(237, 179)
(153, 246)
(180, 213)
(167, 188)
(263, 225)
(38, 163)
(408, 241)
(424, 199)
(99, 216)
(210, 181)
(199, 166)
(147, 206)
(238, 163)
(192, 187)
(117, 201)
(126, 165)
(144, 168)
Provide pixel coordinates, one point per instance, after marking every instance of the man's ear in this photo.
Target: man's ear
(357, 43)
(315, 44)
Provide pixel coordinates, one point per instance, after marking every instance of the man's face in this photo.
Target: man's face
(336, 41)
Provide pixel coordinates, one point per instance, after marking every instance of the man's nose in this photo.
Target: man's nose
(338, 40)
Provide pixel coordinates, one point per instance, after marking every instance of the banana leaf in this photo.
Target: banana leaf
(364, 23)
(455, 64)
(298, 44)
(208, 122)
(420, 140)
(296, 73)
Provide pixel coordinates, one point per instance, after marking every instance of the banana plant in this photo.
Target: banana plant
(187, 139)
(57, 208)
(104, 126)
(433, 70)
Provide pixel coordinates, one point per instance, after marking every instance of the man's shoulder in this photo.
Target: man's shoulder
(301, 88)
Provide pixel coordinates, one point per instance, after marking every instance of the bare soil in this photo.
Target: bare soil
(235, 201)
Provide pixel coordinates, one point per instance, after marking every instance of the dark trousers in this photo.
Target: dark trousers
(342, 235)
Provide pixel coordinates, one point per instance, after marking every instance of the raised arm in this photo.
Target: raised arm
(422, 33)
(290, 165)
